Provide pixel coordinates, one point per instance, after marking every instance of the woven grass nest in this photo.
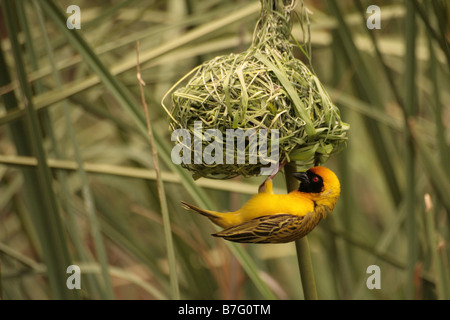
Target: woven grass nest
(264, 87)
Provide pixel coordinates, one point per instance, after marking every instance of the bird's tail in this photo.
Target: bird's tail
(215, 217)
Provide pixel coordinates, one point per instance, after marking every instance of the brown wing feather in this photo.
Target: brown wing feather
(277, 228)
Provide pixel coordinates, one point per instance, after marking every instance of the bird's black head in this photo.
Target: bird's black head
(310, 182)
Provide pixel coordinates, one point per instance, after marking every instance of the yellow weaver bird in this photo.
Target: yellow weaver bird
(279, 218)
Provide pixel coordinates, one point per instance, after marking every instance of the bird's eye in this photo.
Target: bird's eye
(315, 179)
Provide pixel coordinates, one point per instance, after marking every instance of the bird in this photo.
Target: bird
(279, 218)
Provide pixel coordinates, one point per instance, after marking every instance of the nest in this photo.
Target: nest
(267, 88)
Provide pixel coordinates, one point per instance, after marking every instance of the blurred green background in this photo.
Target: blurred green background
(78, 184)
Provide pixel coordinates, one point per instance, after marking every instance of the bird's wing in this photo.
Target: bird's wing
(278, 228)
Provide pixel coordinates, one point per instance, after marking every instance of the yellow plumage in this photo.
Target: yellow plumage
(278, 218)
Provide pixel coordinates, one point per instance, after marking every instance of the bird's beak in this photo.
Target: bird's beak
(302, 176)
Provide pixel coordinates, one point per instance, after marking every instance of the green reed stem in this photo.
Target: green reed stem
(409, 112)
(91, 211)
(174, 288)
(302, 245)
(38, 183)
(442, 287)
